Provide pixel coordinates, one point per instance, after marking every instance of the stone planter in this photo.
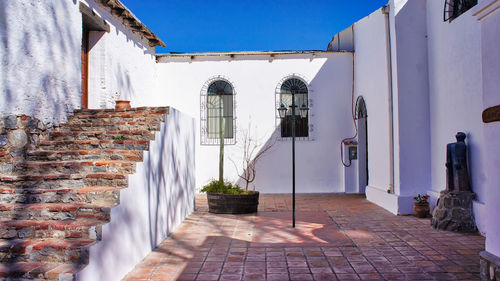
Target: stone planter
(453, 211)
(421, 210)
(122, 104)
(233, 203)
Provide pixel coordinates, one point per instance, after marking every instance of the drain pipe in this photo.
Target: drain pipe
(386, 12)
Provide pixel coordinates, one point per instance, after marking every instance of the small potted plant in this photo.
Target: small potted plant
(121, 104)
(226, 198)
(421, 206)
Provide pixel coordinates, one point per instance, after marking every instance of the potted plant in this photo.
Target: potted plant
(421, 206)
(225, 198)
(121, 104)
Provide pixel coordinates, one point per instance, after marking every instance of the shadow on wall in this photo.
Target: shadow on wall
(39, 56)
(250, 174)
(318, 168)
(159, 196)
(123, 82)
(174, 170)
(125, 70)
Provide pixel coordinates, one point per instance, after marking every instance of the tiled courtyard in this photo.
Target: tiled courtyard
(337, 237)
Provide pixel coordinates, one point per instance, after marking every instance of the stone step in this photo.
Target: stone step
(95, 144)
(104, 125)
(122, 115)
(54, 211)
(100, 122)
(140, 110)
(94, 154)
(43, 181)
(106, 179)
(102, 135)
(64, 181)
(54, 203)
(95, 195)
(39, 271)
(45, 250)
(75, 166)
(66, 229)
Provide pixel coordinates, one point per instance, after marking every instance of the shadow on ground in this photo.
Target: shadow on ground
(338, 237)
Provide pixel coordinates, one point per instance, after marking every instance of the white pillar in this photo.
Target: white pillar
(488, 13)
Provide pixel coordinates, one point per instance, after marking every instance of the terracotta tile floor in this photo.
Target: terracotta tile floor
(337, 237)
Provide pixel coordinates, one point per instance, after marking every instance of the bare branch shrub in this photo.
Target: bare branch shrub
(252, 150)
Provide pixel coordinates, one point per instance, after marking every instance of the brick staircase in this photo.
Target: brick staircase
(55, 200)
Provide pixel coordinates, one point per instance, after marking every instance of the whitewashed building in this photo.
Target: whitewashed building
(399, 83)
(423, 78)
(256, 79)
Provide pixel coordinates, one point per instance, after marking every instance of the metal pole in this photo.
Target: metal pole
(293, 158)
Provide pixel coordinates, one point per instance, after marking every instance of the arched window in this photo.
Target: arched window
(454, 8)
(219, 110)
(300, 91)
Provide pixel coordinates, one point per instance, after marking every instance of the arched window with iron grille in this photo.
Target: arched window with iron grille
(299, 88)
(220, 109)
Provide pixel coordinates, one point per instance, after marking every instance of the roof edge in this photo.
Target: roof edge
(131, 21)
(244, 53)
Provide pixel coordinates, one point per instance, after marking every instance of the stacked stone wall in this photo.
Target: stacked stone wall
(19, 134)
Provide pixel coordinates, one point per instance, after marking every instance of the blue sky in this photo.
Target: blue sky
(243, 25)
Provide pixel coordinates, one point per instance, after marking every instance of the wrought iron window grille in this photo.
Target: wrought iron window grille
(218, 96)
(303, 127)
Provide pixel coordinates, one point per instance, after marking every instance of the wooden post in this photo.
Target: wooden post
(222, 123)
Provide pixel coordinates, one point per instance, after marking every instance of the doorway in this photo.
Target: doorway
(93, 28)
(362, 122)
(85, 68)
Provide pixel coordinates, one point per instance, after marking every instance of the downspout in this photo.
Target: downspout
(386, 12)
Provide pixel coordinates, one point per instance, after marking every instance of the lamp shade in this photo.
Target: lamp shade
(303, 111)
(282, 111)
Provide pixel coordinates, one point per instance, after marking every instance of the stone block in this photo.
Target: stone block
(31, 124)
(3, 141)
(11, 122)
(17, 139)
(6, 168)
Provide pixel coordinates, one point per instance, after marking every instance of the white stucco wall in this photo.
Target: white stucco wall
(437, 81)
(412, 139)
(488, 14)
(40, 57)
(121, 64)
(455, 87)
(159, 196)
(372, 82)
(255, 79)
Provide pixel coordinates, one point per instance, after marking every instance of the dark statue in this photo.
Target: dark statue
(453, 209)
(457, 172)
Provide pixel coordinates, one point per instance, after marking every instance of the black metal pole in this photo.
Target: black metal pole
(293, 159)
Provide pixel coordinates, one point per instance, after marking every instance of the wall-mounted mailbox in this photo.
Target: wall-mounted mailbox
(353, 152)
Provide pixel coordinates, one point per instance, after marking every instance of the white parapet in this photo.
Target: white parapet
(159, 196)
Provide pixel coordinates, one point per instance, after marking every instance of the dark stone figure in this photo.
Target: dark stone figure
(457, 172)
(453, 210)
